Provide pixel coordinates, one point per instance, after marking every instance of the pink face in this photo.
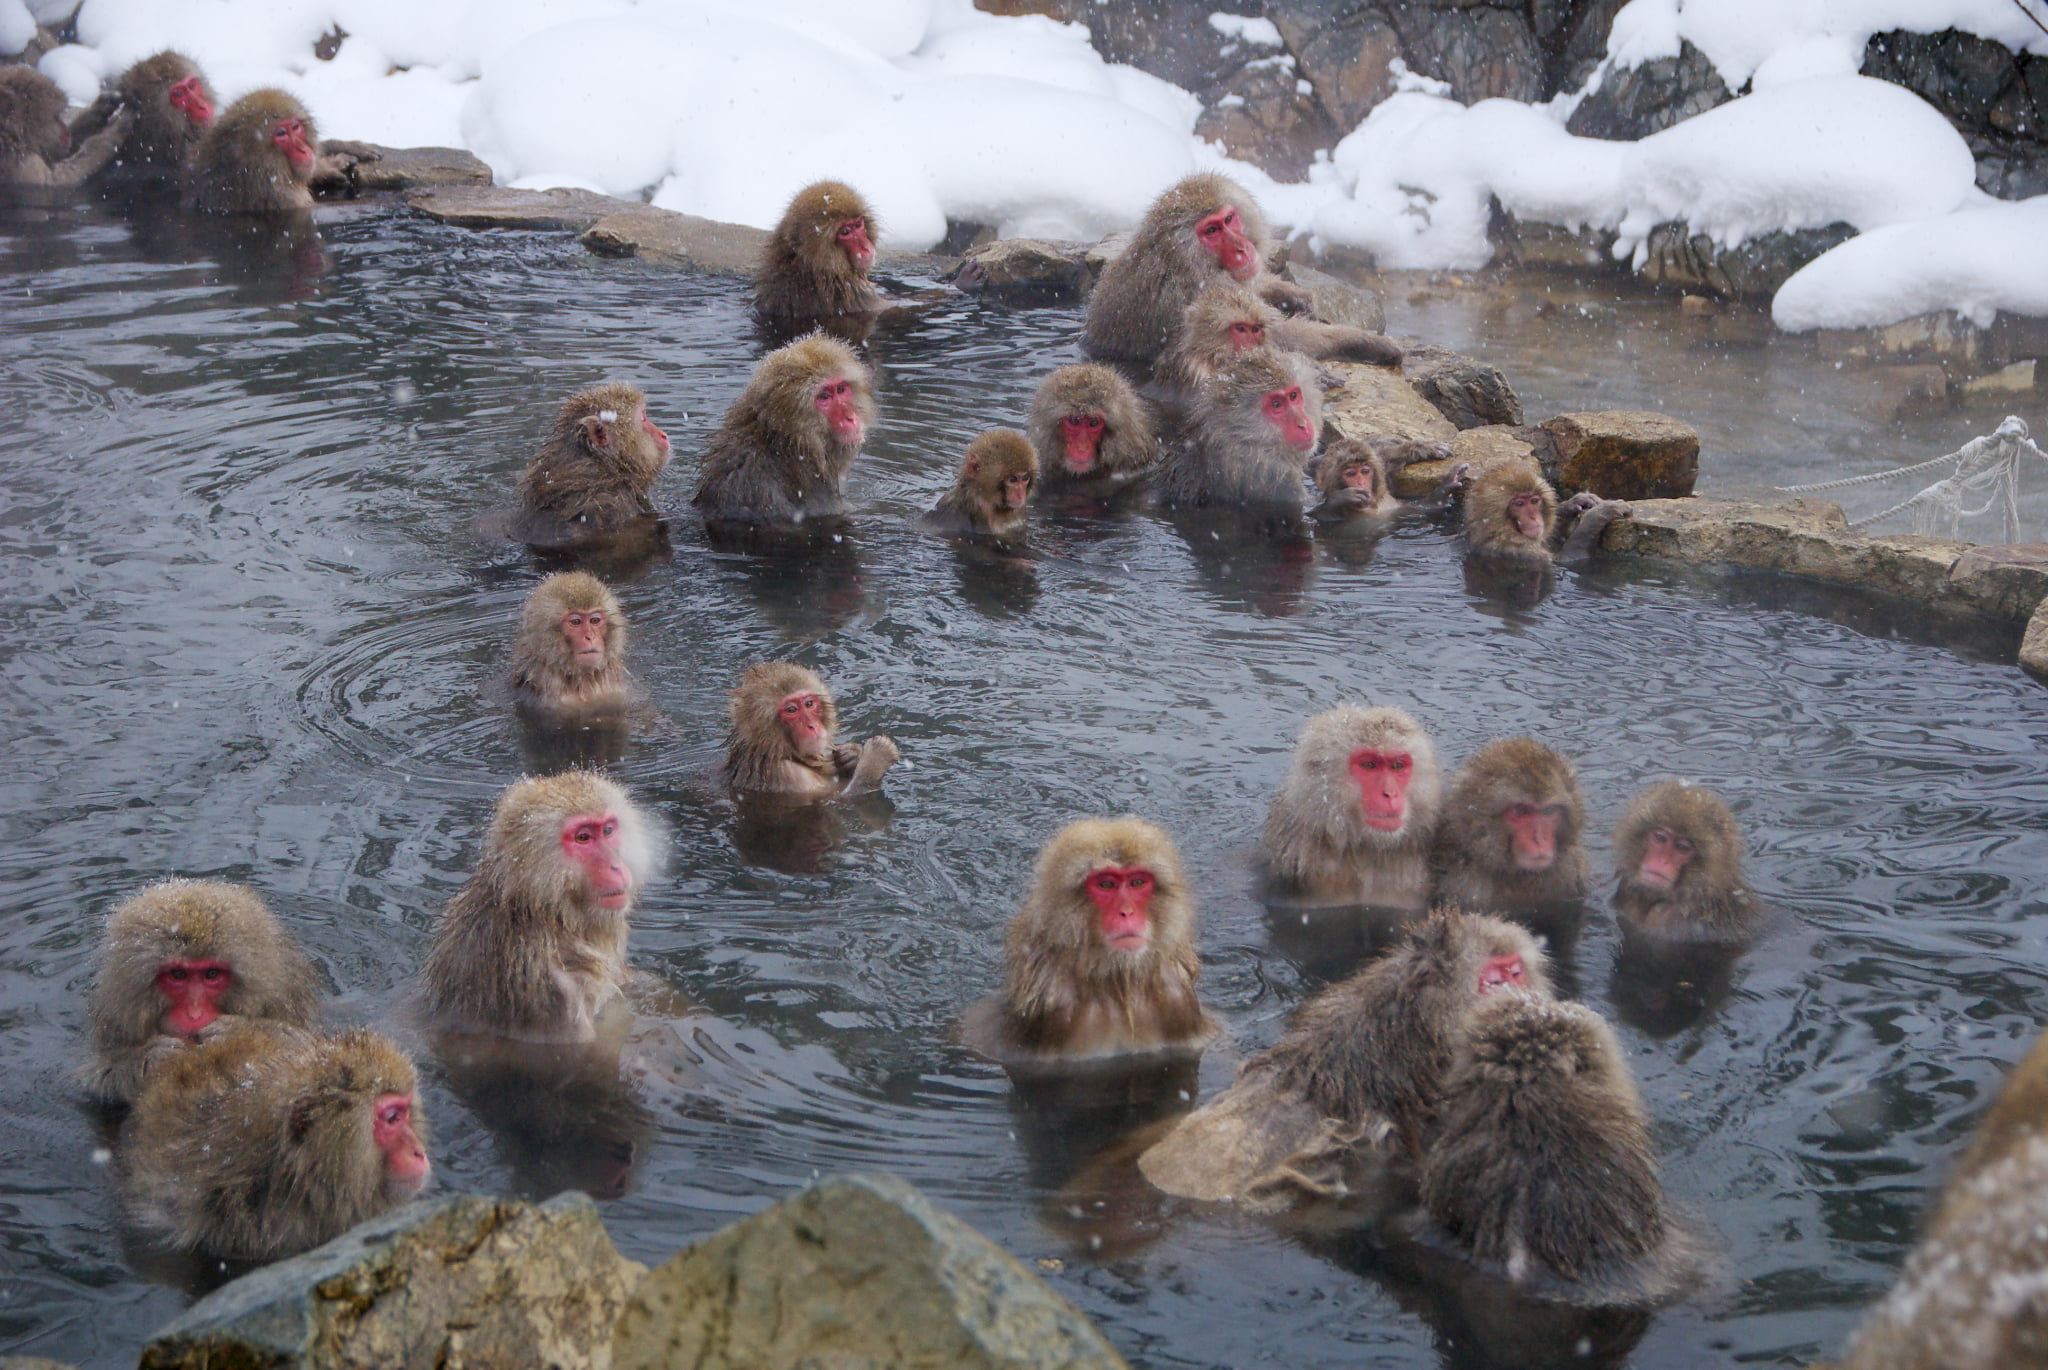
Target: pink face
(583, 630)
(591, 843)
(654, 435)
(836, 402)
(1532, 833)
(1526, 510)
(852, 237)
(1016, 489)
(1222, 234)
(1357, 476)
(1123, 899)
(1665, 856)
(1081, 437)
(192, 991)
(188, 97)
(1245, 335)
(290, 136)
(1288, 413)
(1503, 972)
(1382, 779)
(405, 1161)
(802, 716)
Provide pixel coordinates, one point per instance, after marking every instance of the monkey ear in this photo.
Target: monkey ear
(597, 432)
(974, 466)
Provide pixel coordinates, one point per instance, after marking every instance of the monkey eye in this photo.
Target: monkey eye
(179, 974)
(1521, 812)
(212, 974)
(1294, 395)
(1106, 881)
(610, 828)
(1212, 228)
(393, 1114)
(1397, 763)
(1276, 400)
(1140, 880)
(1684, 847)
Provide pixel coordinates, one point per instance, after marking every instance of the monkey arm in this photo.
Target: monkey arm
(1342, 505)
(877, 755)
(1456, 482)
(335, 167)
(1285, 296)
(1593, 514)
(95, 116)
(1331, 342)
(94, 153)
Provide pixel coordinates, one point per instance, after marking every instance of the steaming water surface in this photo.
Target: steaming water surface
(252, 632)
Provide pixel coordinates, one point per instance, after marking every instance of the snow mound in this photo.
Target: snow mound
(1976, 262)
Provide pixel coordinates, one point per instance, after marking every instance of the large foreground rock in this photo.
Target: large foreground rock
(1478, 448)
(464, 1282)
(673, 239)
(402, 168)
(1469, 393)
(1624, 454)
(499, 207)
(1376, 400)
(859, 1272)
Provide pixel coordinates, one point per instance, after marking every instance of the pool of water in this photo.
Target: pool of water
(252, 631)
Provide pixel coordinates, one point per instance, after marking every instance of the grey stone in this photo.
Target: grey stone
(402, 168)
(1339, 301)
(1750, 270)
(2008, 580)
(1624, 454)
(499, 207)
(1996, 98)
(31, 1363)
(1267, 115)
(1027, 271)
(1530, 243)
(859, 1272)
(1634, 102)
(1376, 401)
(665, 236)
(1479, 448)
(1942, 337)
(1105, 252)
(1345, 53)
(1469, 393)
(2034, 646)
(461, 1282)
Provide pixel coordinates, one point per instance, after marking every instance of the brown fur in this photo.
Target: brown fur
(1711, 902)
(804, 271)
(1202, 344)
(545, 673)
(237, 169)
(593, 474)
(1317, 845)
(1474, 856)
(1344, 455)
(258, 1145)
(775, 460)
(759, 756)
(1235, 458)
(1128, 450)
(164, 136)
(1489, 531)
(34, 138)
(187, 920)
(524, 950)
(1065, 994)
(1542, 1163)
(976, 503)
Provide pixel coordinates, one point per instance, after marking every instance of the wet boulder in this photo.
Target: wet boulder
(502, 207)
(857, 1271)
(1624, 454)
(674, 239)
(1750, 270)
(1478, 448)
(460, 1282)
(1027, 271)
(1339, 301)
(1469, 393)
(2034, 646)
(402, 168)
(1634, 102)
(2008, 580)
(1375, 401)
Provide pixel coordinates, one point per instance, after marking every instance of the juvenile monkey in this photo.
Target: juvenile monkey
(534, 946)
(592, 475)
(1353, 823)
(570, 656)
(35, 142)
(1227, 320)
(817, 259)
(1511, 517)
(172, 105)
(1092, 432)
(1508, 841)
(992, 494)
(187, 961)
(273, 1140)
(1101, 959)
(783, 728)
(257, 158)
(781, 456)
(1252, 434)
(1678, 855)
(1352, 477)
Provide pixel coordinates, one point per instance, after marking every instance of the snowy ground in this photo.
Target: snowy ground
(938, 111)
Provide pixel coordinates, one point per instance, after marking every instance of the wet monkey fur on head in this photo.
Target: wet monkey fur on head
(784, 739)
(596, 469)
(782, 454)
(1092, 433)
(991, 495)
(817, 259)
(570, 654)
(1354, 820)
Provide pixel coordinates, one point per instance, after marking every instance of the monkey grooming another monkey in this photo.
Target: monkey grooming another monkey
(592, 476)
(570, 655)
(1511, 518)
(991, 497)
(1252, 434)
(1092, 433)
(35, 140)
(816, 262)
(1678, 855)
(781, 456)
(187, 961)
(534, 946)
(784, 726)
(1353, 823)
(172, 105)
(273, 1140)
(1101, 960)
(1353, 1086)
(1508, 841)
(1226, 320)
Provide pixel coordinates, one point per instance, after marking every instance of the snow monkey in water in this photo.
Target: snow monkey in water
(780, 458)
(1252, 434)
(1353, 823)
(1678, 854)
(570, 655)
(593, 474)
(1093, 434)
(1511, 518)
(991, 496)
(785, 729)
(35, 142)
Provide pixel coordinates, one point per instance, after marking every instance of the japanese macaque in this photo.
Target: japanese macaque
(992, 494)
(781, 456)
(592, 476)
(1508, 841)
(1352, 477)
(570, 656)
(35, 142)
(1678, 854)
(1252, 434)
(1092, 432)
(1512, 516)
(1101, 959)
(173, 107)
(534, 946)
(273, 1140)
(1354, 1084)
(817, 259)
(1541, 1164)
(1353, 823)
(1207, 230)
(257, 158)
(1227, 320)
(1969, 1297)
(188, 961)
(784, 726)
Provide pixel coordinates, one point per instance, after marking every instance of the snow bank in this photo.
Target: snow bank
(1976, 262)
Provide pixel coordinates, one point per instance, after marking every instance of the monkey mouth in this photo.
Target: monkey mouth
(1380, 822)
(1535, 861)
(1129, 943)
(1655, 879)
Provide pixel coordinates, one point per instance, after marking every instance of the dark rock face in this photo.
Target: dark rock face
(1637, 101)
(1996, 98)
(1753, 269)
(1469, 393)
(1265, 117)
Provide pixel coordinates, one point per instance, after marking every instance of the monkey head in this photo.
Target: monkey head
(1371, 772)
(610, 422)
(1225, 320)
(1676, 839)
(1512, 509)
(780, 700)
(1223, 230)
(1481, 955)
(816, 387)
(369, 1070)
(1349, 464)
(831, 217)
(576, 837)
(571, 626)
(190, 98)
(1109, 896)
(1265, 401)
(1075, 416)
(1515, 807)
(1001, 465)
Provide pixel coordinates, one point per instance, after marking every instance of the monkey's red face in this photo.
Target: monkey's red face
(654, 435)
(841, 409)
(1222, 233)
(192, 990)
(188, 97)
(1382, 779)
(1123, 900)
(290, 137)
(584, 632)
(1526, 510)
(1245, 335)
(1357, 477)
(1532, 833)
(852, 237)
(1016, 489)
(406, 1166)
(1503, 972)
(1081, 438)
(1288, 413)
(802, 716)
(1665, 855)
(591, 843)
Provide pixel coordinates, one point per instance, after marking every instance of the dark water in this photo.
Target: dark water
(251, 633)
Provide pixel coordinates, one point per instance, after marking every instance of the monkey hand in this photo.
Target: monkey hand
(1457, 480)
(1349, 503)
(845, 756)
(877, 755)
(1594, 516)
(1580, 503)
(1287, 297)
(338, 159)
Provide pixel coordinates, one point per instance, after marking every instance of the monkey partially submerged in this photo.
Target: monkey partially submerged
(1352, 476)
(1250, 438)
(784, 741)
(1354, 821)
(991, 496)
(172, 107)
(1093, 435)
(779, 461)
(1226, 320)
(35, 142)
(1508, 841)
(1678, 857)
(1512, 518)
(592, 477)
